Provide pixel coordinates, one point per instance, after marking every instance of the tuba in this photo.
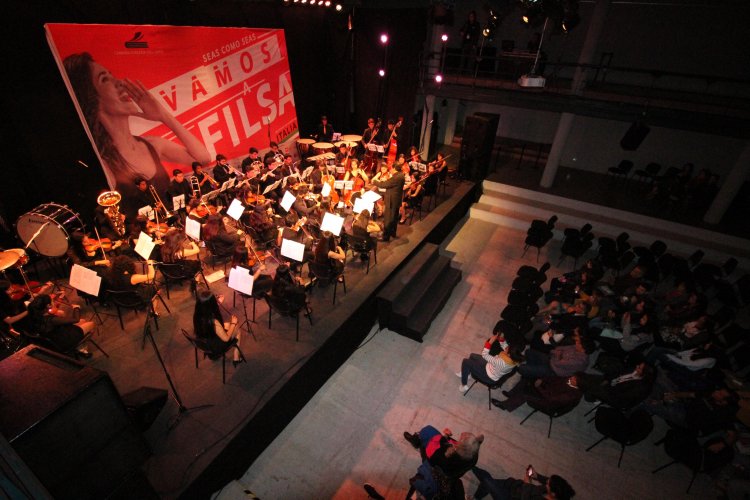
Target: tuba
(111, 201)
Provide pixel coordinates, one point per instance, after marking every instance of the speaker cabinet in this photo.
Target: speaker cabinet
(634, 136)
(477, 144)
(68, 424)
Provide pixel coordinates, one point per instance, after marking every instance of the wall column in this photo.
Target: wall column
(451, 115)
(425, 131)
(558, 143)
(729, 189)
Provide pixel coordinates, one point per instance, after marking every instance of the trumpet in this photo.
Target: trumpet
(213, 182)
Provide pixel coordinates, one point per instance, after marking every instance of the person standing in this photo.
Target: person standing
(469, 40)
(325, 130)
(394, 193)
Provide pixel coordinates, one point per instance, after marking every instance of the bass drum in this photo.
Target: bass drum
(303, 146)
(54, 222)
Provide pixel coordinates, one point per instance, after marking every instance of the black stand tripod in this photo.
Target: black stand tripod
(246, 323)
(181, 408)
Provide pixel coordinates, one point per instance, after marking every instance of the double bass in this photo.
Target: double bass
(393, 142)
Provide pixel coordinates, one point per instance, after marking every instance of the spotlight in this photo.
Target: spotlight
(438, 78)
(383, 38)
(338, 7)
(533, 16)
(444, 37)
(303, 1)
(381, 72)
(328, 3)
(570, 21)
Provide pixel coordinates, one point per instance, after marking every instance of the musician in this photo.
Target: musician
(287, 288)
(204, 181)
(222, 172)
(262, 282)
(364, 227)
(414, 155)
(317, 175)
(141, 225)
(325, 131)
(105, 225)
(122, 277)
(342, 154)
(328, 253)
(394, 191)
(60, 323)
(209, 325)
(430, 181)
(356, 173)
(258, 220)
(441, 167)
(412, 197)
(217, 238)
(177, 250)
(371, 133)
(385, 134)
(195, 212)
(272, 156)
(77, 253)
(288, 167)
(383, 173)
(179, 185)
(252, 162)
(301, 207)
(140, 198)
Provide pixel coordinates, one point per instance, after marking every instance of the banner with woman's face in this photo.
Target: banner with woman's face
(155, 98)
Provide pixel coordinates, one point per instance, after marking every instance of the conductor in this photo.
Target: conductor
(394, 193)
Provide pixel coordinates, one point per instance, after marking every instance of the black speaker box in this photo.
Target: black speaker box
(634, 136)
(144, 405)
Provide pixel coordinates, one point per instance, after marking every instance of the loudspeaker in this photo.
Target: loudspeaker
(144, 405)
(634, 136)
(476, 145)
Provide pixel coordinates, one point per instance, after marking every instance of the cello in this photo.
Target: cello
(393, 142)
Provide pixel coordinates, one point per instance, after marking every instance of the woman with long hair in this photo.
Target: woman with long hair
(209, 325)
(177, 250)
(328, 253)
(107, 103)
(59, 322)
(217, 238)
(122, 277)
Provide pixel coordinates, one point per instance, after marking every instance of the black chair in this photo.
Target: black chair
(695, 259)
(650, 173)
(531, 274)
(492, 386)
(623, 245)
(621, 170)
(519, 314)
(524, 298)
(539, 234)
(208, 352)
(626, 430)
(575, 245)
(416, 206)
(129, 299)
(174, 273)
(552, 409)
(283, 308)
(323, 273)
(363, 246)
(217, 254)
(683, 447)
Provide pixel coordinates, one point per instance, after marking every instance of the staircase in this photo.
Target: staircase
(413, 297)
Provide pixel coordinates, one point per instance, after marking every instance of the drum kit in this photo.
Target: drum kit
(47, 228)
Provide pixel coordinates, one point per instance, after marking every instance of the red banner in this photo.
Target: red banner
(155, 98)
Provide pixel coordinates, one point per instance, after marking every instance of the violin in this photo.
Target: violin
(255, 199)
(204, 210)
(92, 246)
(151, 228)
(18, 292)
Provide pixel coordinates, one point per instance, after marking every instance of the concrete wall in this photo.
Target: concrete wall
(594, 144)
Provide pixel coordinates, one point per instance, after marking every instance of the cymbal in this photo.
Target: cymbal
(351, 138)
(8, 259)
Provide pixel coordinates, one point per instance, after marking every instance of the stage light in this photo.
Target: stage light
(303, 1)
(338, 7)
(383, 38)
(328, 3)
(533, 16)
(381, 72)
(444, 37)
(438, 78)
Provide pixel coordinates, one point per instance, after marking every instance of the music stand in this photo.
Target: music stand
(241, 281)
(181, 408)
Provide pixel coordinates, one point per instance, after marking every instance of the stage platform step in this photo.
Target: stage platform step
(515, 207)
(411, 299)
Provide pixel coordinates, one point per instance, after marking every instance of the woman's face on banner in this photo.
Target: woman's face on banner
(113, 96)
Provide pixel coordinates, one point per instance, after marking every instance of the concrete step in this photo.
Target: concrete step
(514, 207)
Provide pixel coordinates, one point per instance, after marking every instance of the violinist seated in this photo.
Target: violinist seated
(414, 155)
(383, 173)
(289, 289)
(124, 278)
(142, 225)
(412, 198)
(303, 209)
(87, 252)
(255, 263)
(13, 302)
(259, 222)
(364, 227)
(218, 240)
(430, 183)
(59, 322)
(292, 229)
(328, 253)
(177, 249)
(209, 325)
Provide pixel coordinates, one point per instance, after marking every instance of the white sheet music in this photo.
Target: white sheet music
(193, 228)
(241, 280)
(326, 190)
(332, 222)
(371, 196)
(85, 280)
(145, 245)
(362, 204)
(307, 172)
(287, 200)
(292, 250)
(146, 211)
(272, 187)
(236, 209)
(338, 184)
(178, 202)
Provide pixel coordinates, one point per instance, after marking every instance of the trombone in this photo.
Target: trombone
(159, 207)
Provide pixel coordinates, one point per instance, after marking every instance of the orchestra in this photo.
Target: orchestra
(320, 183)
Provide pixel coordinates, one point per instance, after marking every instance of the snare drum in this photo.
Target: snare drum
(322, 147)
(54, 223)
(303, 146)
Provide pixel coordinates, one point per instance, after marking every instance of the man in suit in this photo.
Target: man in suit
(394, 193)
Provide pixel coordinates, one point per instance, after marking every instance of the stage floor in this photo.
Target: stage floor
(273, 357)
